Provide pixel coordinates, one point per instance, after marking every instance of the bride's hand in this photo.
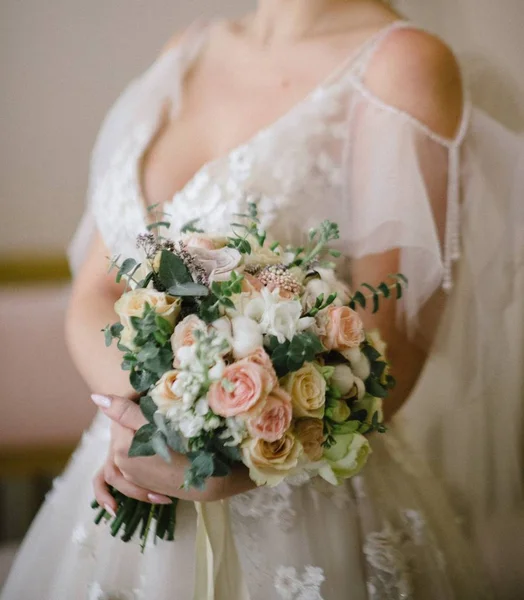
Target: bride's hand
(112, 473)
(152, 479)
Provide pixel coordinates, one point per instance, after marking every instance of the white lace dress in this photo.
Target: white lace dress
(340, 154)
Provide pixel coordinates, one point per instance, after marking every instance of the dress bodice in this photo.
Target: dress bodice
(298, 166)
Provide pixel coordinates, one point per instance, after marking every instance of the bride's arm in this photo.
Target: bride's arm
(90, 310)
(417, 74)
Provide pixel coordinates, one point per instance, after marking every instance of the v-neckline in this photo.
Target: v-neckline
(194, 51)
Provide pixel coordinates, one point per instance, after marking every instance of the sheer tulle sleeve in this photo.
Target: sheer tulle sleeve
(403, 192)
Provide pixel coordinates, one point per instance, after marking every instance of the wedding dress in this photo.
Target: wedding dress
(343, 154)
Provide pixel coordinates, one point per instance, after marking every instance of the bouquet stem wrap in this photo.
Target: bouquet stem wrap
(218, 574)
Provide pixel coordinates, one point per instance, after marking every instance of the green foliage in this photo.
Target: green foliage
(221, 292)
(128, 266)
(204, 465)
(291, 355)
(319, 239)
(148, 408)
(172, 270)
(383, 290)
(190, 227)
(188, 289)
(320, 304)
(142, 441)
(251, 229)
(158, 225)
(152, 355)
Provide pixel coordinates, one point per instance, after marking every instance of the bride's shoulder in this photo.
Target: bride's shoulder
(416, 72)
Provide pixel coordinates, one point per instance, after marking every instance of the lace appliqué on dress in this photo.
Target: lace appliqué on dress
(292, 586)
(389, 578)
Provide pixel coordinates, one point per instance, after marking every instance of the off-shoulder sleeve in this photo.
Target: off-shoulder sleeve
(403, 191)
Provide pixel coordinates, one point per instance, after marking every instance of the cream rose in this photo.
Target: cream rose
(345, 458)
(133, 304)
(344, 328)
(274, 419)
(243, 388)
(164, 396)
(307, 388)
(270, 462)
(310, 432)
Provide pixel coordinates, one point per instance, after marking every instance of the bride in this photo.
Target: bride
(321, 109)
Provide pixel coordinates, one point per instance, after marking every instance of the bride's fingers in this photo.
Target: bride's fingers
(102, 494)
(120, 410)
(114, 477)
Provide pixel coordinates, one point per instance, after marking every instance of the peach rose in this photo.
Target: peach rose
(270, 462)
(183, 333)
(344, 329)
(274, 418)
(199, 241)
(310, 432)
(261, 358)
(307, 388)
(244, 386)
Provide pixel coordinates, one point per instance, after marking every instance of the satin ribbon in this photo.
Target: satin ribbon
(218, 574)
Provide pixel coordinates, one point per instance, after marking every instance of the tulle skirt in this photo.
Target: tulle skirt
(387, 534)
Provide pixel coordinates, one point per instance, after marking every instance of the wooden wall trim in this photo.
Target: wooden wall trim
(33, 269)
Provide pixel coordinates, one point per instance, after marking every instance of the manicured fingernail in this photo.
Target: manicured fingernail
(102, 401)
(157, 499)
(110, 510)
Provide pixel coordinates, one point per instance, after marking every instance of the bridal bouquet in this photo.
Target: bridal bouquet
(247, 352)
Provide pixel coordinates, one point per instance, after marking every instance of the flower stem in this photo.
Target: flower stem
(147, 527)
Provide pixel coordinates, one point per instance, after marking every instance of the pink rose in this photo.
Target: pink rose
(344, 329)
(183, 333)
(274, 419)
(261, 358)
(244, 387)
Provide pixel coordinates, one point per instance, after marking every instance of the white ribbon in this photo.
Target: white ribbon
(218, 574)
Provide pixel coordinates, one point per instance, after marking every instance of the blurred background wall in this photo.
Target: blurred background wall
(62, 64)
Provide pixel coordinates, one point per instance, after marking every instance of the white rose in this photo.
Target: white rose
(277, 316)
(247, 336)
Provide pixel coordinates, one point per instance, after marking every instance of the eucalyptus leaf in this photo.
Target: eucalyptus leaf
(148, 408)
(160, 446)
(172, 270)
(188, 289)
(176, 441)
(375, 389)
(141, 444)
(161, 423)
